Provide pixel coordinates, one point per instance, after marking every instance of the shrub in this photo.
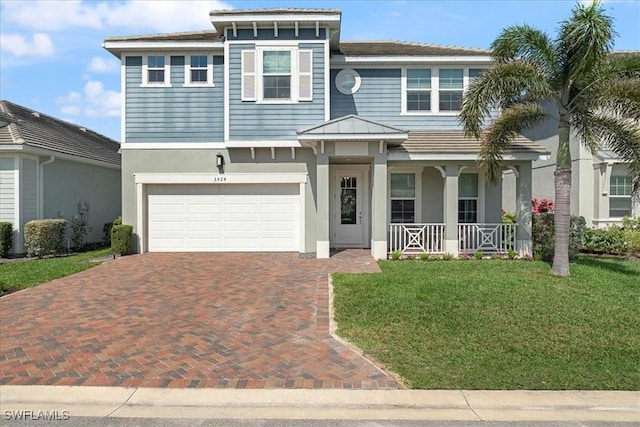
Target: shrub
(6, 237)
(478, 255)
(423, 256)
(544, 240)
(79, 231)
(395, 255)
(542, 205)
(508, 218)
(106, 229)
(121, 239)
(44, 237)
(624, 239)
(447, 256)
(512, 254)
(117, 221)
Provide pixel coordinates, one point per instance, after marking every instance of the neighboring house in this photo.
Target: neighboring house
(50, 168)
(272, 134)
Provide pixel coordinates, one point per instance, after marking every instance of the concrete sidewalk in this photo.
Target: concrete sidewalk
(610, 406)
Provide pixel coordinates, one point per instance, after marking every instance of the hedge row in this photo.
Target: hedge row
(44, 237)
(6, 237)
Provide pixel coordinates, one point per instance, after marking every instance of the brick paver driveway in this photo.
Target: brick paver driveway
(185, 320)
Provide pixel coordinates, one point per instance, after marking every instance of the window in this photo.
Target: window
(619, 196)
(277, 75)
(474, 72)
(468, 198)
(451, 86)
(418, 89)
(199, 71)
(403, 197)
(155, 69)
(348, 81)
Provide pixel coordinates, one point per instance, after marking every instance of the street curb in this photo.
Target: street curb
(454, 405)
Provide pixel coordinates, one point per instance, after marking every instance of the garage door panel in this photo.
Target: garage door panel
(223, 217)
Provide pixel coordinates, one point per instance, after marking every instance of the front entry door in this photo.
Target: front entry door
(349, 210)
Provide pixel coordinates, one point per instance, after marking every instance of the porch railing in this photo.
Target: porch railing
(488, 238)
(412, 239)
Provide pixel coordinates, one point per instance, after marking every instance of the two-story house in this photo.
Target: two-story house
(270, 133)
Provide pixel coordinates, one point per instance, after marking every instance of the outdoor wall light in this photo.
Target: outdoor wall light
(219, 160)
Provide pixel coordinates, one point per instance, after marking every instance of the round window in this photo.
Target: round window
(348, 81)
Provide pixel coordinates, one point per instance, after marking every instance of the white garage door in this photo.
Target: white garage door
(231, 217)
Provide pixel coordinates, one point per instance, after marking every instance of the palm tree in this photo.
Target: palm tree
(575, 80)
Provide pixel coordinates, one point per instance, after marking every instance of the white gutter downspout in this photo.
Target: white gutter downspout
(41, 186)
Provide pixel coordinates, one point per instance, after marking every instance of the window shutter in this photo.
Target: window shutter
(249, 75)
(305, 75)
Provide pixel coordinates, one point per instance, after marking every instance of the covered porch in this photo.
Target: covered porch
(414, 192)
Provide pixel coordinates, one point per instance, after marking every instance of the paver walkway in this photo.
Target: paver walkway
(185, 320)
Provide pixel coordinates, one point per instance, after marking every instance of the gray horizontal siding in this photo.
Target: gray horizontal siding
(380, 98)
(7, 189)
(283, 34)
(29, 190)
(176, 113)
(253, 121)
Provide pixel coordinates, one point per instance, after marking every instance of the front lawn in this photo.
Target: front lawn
(497, 324)
(18, 275)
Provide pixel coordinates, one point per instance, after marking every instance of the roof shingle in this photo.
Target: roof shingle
(34, 129)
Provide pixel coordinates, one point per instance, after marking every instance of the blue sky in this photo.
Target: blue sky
(52, 60)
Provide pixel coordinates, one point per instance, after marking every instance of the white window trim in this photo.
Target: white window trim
(354, 74)
(145, 72)
(418, 195)
(187, 71)
(617, 196)
(258, 75)
(435, 88)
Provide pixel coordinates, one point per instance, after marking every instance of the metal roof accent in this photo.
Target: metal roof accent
(350, 127)
(34, 129)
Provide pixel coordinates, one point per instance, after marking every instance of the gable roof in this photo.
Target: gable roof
(351, 127)
(26, 127)
(207, 35)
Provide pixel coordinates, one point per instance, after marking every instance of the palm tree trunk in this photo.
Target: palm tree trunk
(562, 216)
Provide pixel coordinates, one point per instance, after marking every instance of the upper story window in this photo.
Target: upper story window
(435, 90)
(348, 81)
(403, 197)
(451, 86)
(418, 89)
(199, 70)
(619, 196)
(277, 75)
(468, 198)
(155, 70)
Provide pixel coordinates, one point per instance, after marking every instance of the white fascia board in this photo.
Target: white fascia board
(452, 156)
(36, 151)
(361, 137)
(227, 178)
(130, 46)
(345, 60)
(172, 146)
(271, 18)
(262, 144)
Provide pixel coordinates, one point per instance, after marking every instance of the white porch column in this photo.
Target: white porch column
(379, 232)
(322, 190)
(451, 209)
(524, 243)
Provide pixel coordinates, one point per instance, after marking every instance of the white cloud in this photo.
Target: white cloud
(99, 64)
(94, 101)
(162, 16)
(18, 45)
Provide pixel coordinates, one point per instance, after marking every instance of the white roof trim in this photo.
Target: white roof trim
(262, 144)
(269, 18)
(353, 137)
(344, 60)
(28, 149)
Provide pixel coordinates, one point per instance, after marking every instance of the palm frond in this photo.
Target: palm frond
(502, 131)
(523, 42)
(503, 85)
(585, 39)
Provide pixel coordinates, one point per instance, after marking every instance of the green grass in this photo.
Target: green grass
(497, 324)
(25, 274)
